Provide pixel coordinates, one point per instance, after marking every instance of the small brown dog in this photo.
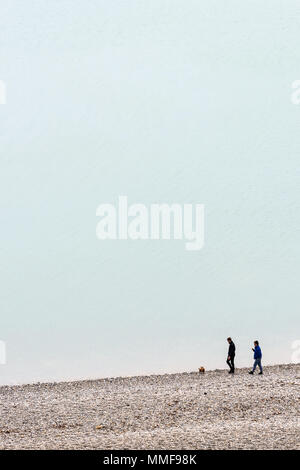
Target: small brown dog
(201, 370)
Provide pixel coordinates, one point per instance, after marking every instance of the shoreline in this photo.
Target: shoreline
(238, 370)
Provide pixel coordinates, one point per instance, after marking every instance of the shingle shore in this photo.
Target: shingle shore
(176, 411)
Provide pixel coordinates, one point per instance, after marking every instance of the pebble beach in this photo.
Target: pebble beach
(172, 411)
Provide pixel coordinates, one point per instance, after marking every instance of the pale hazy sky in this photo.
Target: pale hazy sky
(162, 101)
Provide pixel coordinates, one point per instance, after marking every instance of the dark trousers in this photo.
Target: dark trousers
(257, 362)
(231, 364)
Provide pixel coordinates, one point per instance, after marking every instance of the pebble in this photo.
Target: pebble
(170, 411)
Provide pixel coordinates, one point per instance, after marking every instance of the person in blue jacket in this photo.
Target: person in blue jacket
(257, 358)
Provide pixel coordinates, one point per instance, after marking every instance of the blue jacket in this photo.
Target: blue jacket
(257, 352)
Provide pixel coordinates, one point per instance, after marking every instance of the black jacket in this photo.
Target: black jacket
(231, 350)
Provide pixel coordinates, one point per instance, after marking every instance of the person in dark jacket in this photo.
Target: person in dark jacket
(231, 355)
(257, 358)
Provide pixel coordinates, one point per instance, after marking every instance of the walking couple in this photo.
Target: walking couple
(257, 357)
